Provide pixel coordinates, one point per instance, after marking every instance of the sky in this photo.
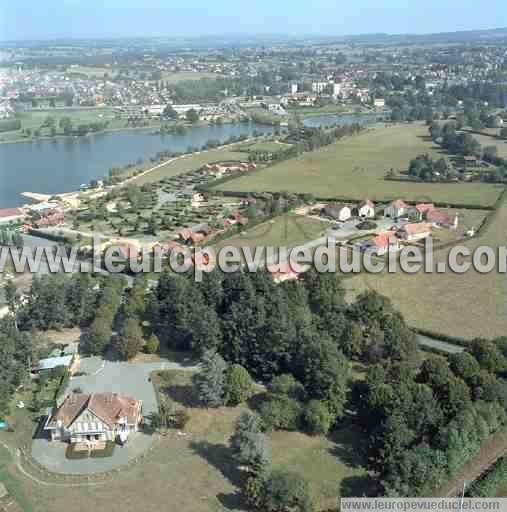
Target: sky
(46, 19)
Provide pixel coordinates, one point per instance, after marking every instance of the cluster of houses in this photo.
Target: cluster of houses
(40, 215)
(426, 217)
(220, 169)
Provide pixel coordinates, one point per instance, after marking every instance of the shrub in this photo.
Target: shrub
(317, 417)
(238, 385)
(152, 345)
(106, 452)
(72, 454)
(281, 413)
(286, 385)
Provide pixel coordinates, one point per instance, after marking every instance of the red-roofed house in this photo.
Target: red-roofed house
(340, 212)
(10, 215)
(396, 209)
(185, 234)
(366, 209)
(414, 232)
(94, 418)
(287, 271)
(380, 244)
(419, 211)
(443, 219)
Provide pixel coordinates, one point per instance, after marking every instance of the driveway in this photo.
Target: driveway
(117, 377)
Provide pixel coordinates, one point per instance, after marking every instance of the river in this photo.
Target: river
(62, 165)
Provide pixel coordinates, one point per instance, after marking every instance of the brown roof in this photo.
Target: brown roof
(366, 202)
(10, 212)
(399, 203)
(424, 207)
(442, 217)
(414, 229)
(108, 407)
(384, 239)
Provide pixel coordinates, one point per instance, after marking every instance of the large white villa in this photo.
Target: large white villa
(94, 418)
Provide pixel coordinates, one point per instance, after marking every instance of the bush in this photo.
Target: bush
(238, 385)
(106, 452)
(367, 224)
(72, 454)
(317, 417)
(286, 385)
(281, 413)
(152, 345)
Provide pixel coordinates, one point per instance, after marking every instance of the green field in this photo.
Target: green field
(264, 146)
(485, 140)
(354, 168)
(287, 231)
(190, 163)
(467, 305)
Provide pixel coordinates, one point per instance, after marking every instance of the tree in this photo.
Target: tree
(285, 491)
(281, 413)
(210, 380)
(169, 112)
(152, 344)
(99, 335)
(238, 385)
(317, 418)
(247, 442)
(192, 116)
(131, 342)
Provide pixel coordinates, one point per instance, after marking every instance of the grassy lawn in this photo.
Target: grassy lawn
(263, 146)
(287, 230)
(485, 141)
(354, 168)
(190, 163)
(318, 111)
(468, 305)
(193, 471)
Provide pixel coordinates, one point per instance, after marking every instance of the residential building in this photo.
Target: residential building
(443, 219)
(415, 232)
(94, 418)
(419, 211)
(340, 212)
(396, 209)
(366, 209)
(11, 215)
(381, 243)
(286, 271)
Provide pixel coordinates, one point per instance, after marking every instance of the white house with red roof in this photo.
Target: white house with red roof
(285, 271)
(366, 209)
(11, 215)
(415, 232)
(443, 218)
(419, 211)
(396, 209)
(383, 241)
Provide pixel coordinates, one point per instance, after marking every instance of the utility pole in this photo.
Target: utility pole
(462, 496)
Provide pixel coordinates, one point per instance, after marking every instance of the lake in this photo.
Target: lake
(62, 165)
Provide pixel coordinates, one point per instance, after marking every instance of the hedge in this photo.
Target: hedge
(488, 485)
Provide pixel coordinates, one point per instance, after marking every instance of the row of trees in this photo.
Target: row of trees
(11, 237)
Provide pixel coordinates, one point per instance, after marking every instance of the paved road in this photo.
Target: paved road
(132, 379)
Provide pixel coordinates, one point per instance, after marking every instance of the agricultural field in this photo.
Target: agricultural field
(189, 163)
(193, 471)
(354, 168)
(286, 230)
(467, 305)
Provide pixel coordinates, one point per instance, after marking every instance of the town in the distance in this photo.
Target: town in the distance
(283, 389)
